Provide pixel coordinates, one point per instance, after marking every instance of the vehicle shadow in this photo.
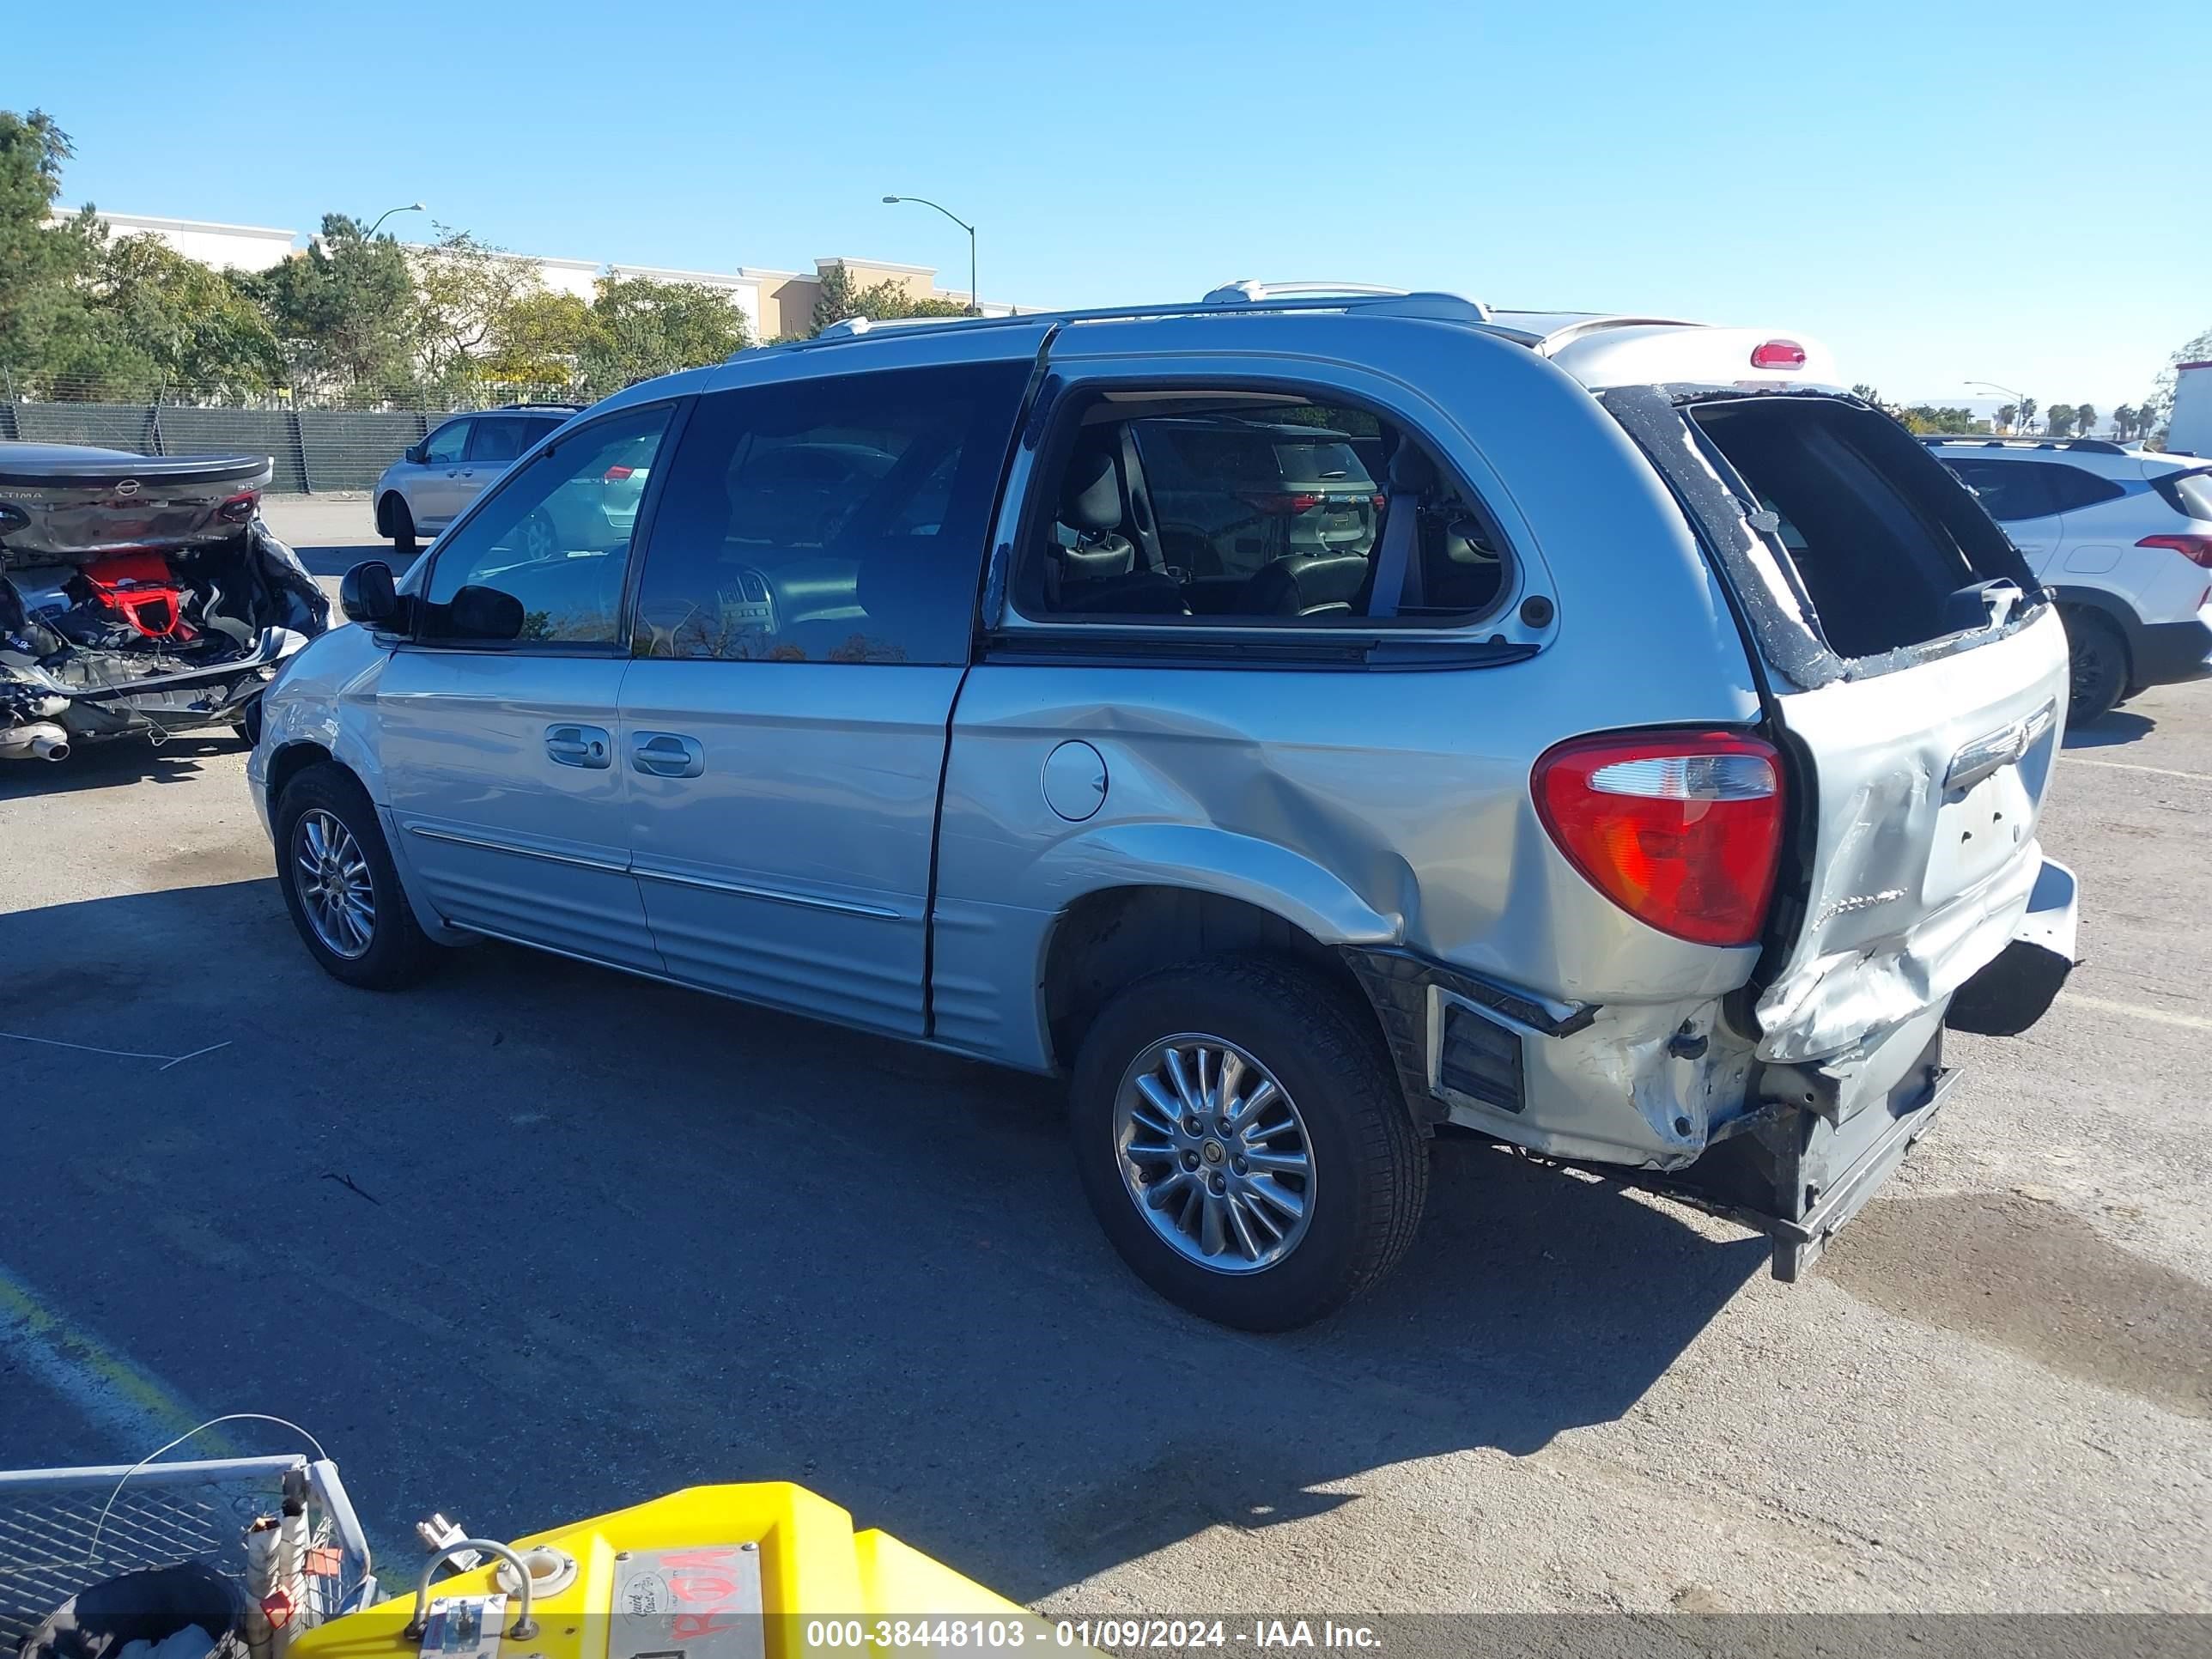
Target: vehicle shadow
(335, 561)
(535, 1241)
(114, 764)
(2122, 725)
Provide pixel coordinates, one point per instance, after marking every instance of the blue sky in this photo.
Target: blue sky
(1941, 190)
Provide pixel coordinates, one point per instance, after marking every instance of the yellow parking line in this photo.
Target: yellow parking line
(136, 1409)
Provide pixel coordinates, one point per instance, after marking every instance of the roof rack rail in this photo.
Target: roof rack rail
(1427, 301)
(1396, 302)
(1994, 440)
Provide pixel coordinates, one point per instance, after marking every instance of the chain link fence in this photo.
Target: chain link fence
(322, 441)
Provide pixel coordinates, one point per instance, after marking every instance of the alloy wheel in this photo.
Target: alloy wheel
(1214, 1154)
(335, 889)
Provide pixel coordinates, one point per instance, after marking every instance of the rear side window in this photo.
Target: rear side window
(2009, 490)
(1878, 530)
(2189, 494)
(835, 520)
(1244, 510)
(2075, 488)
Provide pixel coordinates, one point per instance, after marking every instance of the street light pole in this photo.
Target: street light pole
(2018, 397)
(410, 207)
(975, 294)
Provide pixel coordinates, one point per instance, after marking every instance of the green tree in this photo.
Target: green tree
(197, 328)
(2085, 419)
(537, 341)
(2151, 416)
(345, 315)
(464, 290)
(2058, 420)
(639, 328)
(884, 301)
(2007, 414)
(2124, 422)
(44, 325)
(2028, 415)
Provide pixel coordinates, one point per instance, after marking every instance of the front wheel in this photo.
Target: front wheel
(397, 522)
(2098, 676)
(1242, 1140)
(340, 886)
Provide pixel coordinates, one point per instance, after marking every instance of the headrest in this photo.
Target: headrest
(1411, 472)
(1091, 494)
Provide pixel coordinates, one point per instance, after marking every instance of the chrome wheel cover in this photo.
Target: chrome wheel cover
(331, 877)
(1214, 1153)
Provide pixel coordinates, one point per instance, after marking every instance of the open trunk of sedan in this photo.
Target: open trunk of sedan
(139, 595)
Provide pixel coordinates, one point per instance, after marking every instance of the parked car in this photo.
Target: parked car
(433, 479)
(1576, 806)
(140, 596)
(2122, 536)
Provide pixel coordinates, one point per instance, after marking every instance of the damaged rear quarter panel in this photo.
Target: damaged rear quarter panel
(1373, 807)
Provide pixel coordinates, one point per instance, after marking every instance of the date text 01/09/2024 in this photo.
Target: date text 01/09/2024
(1124, 1634)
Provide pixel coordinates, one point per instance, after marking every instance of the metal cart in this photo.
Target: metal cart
(54, 1541)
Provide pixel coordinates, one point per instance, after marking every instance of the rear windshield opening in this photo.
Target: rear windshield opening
(1881, 535)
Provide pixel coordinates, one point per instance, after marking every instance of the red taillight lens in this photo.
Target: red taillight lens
(239, 508)
(615, 474)
(1681, 830)
(1282, 506)
(2197, 550)
(1777, 354)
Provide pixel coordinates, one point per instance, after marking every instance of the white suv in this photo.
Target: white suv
(2122, 536)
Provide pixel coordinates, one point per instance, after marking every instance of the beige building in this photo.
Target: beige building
(774, 302)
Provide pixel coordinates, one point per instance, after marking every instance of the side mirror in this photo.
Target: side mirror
(368, 594)
(413, 455)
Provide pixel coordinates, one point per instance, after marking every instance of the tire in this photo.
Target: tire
(249, 725)
(2099, 670)
(1368, 1172)
(393, 518)
(389, 951)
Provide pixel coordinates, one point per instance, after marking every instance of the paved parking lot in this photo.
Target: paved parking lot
(537, 1241)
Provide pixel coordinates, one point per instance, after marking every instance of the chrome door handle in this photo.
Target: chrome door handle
(666, 754)
(588, 746)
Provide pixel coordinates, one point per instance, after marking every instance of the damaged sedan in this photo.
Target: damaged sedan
(1302, 721)
(140, 596)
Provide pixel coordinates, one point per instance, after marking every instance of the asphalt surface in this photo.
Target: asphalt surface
(536, 1241)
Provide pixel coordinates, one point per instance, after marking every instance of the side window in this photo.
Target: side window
(842, 520)
(445, 445)
(2010, 490)
(2075, 488)
(543, 559)
(1233, 509)
(497, 440)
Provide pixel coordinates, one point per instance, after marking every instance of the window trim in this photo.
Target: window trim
(679, 411)
(1012, 634)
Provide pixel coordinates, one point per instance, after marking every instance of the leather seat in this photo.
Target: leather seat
(1305, 585)
(1098, 575)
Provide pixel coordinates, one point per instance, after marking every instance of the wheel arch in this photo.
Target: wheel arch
(1111, 937)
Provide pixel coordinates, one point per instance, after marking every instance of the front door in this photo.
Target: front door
(497, 722)
(433, 490)
(797, 656)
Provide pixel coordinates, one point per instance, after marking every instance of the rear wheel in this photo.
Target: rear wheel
(1242, 1140)
(2099, 668)
(394, 520)
(340, 886)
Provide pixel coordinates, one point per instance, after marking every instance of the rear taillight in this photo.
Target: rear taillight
(615, 474)
(1281, 506)
(1681, 830)
(1777, 354)
(239, 508)
(2197, 550)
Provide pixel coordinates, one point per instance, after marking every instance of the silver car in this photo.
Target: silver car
(421, 492)
(1645, 783)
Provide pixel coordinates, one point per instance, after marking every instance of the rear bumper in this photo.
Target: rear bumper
(2167, 653)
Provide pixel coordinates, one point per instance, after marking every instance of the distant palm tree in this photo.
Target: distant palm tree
(2028, 407)
(2085, 419)
(2124, 422)
(2007, 413)
(2058, 420)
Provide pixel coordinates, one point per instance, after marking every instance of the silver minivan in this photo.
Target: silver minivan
(1645, 781)
(433, 479)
